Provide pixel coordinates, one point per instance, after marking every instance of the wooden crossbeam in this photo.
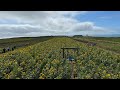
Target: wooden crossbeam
(70, 48)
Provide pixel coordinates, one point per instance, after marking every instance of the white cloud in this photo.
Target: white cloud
(37, 23)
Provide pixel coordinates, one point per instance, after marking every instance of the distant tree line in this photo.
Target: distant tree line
(78, 36)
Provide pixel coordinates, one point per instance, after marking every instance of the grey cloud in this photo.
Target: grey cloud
(37, 23)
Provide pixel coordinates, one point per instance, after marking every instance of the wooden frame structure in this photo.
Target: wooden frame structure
(68, 48)
(72, 62)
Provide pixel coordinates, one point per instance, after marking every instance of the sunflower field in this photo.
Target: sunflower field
(44, 61)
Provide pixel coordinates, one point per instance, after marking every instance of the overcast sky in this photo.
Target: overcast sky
(42, 23)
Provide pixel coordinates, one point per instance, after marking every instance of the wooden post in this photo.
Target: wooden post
(63, 52)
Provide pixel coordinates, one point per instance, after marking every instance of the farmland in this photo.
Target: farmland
(21, 42)
(43, 60)
(109, 43)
